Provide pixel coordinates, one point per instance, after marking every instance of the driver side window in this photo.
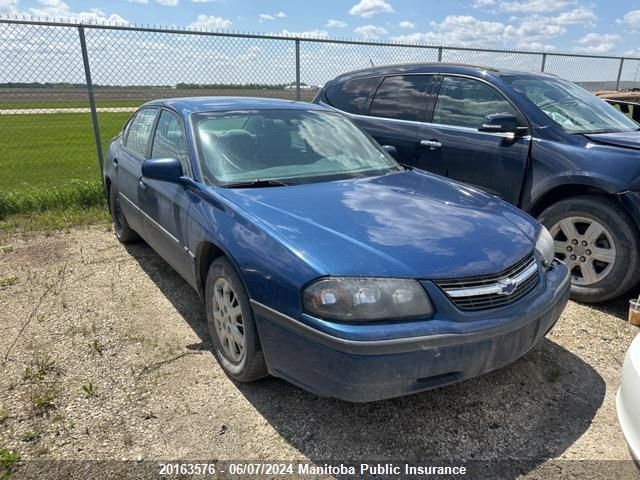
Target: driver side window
(169, 141)
(465, 102)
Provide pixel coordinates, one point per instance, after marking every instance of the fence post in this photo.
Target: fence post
(439, 54)
(544, 62)
(297, 69)
(619, 74)
(92, 100)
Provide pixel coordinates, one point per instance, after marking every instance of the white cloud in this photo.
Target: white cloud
(268, 16)
(141, 2)
(8, 7)
(368, 8)
(631, 19)
(59, 9)
(335, 23)
(370, 32)
(483, 3)
(210, 22)
(205, 1)
(598, 42)
(577, 16)
(460, 30)
(167, 3)
(317, 33)
(535, 6)
(406, 24)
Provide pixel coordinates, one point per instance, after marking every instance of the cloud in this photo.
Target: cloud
(317, 33)
(631, 19)
(8, 7)
(577, 16)
(167, 3)
(484, 3)
(267, 16)
(536, 6)
(141, 2)
(59, 9)
(369, 8)
(335, 23)
(370, 32)
(597, 43)
(406, 24)
(210, 22)
(460, 30)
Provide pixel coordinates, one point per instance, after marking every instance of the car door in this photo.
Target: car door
(128, 164)
(165, 205)
(397, 110)
(453, 145)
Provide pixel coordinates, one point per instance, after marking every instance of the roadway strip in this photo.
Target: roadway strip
(47, 111)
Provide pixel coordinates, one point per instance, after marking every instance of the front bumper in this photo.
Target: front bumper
(369, 369)
(627, 399)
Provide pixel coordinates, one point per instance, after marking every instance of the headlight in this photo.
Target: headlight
(544, 245)
(364, 299)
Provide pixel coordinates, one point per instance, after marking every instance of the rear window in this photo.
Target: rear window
(401, 97)
(353, 96)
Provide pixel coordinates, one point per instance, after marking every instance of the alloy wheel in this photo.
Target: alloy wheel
(587, 248)
(227, 318)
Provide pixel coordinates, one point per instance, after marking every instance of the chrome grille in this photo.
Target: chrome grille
(491, 291)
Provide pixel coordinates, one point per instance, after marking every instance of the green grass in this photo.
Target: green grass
(56, 219)
(70, 104)
(55, 149)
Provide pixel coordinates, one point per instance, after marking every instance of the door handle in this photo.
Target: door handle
(115, 163)
(432, 144)
(142, 184)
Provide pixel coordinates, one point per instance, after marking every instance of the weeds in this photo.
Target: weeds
(42, 397)
(7, 249)
(30, 436)
(39, 367)
(97, 347)
(89, 389)
(8, 281)
(8, 462)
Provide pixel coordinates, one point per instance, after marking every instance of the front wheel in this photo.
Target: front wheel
(599, 243)
(231, 325)
(121, 227)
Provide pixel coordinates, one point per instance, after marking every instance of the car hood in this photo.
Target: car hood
(402, 224)
(617, 139)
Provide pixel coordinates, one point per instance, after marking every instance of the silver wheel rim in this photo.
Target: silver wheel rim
(227, 319)
(587, 248)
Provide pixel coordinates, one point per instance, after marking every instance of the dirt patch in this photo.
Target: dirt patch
(105, 355)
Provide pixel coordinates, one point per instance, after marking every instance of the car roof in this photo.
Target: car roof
(436, 67)
(212, 104)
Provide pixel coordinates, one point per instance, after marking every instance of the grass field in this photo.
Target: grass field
(50, 161)
(69, 104)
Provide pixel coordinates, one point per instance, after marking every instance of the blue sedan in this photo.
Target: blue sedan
(323, 261)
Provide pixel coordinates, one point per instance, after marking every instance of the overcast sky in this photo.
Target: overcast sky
(592, 26)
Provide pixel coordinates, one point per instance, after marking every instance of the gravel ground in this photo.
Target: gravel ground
(105, 355)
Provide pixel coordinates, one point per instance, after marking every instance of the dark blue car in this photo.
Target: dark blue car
(539, 142)
(323, 261)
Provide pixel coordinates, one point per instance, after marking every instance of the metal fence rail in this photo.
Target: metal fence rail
(67, 88)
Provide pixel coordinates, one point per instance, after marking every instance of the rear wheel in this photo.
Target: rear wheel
(231, 325)
(121, 227)
(599, 243)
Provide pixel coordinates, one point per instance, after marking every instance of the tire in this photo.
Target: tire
(124, 233)
(230, 321)
(599, 242)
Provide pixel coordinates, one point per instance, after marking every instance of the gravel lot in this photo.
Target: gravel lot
(105, 355)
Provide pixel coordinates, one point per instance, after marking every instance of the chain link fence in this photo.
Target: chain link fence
(66, 89)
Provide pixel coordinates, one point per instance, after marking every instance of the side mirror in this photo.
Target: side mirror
(165, 169)
(391, 150)
(499, 123)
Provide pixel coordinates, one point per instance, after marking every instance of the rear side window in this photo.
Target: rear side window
(140, 130)
(169, 141)
(353, 96)
(401, 97)
(465, 102)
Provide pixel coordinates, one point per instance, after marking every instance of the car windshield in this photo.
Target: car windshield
(285, 146)
(572, 107)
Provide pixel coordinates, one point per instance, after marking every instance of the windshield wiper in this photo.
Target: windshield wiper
(258, 183)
